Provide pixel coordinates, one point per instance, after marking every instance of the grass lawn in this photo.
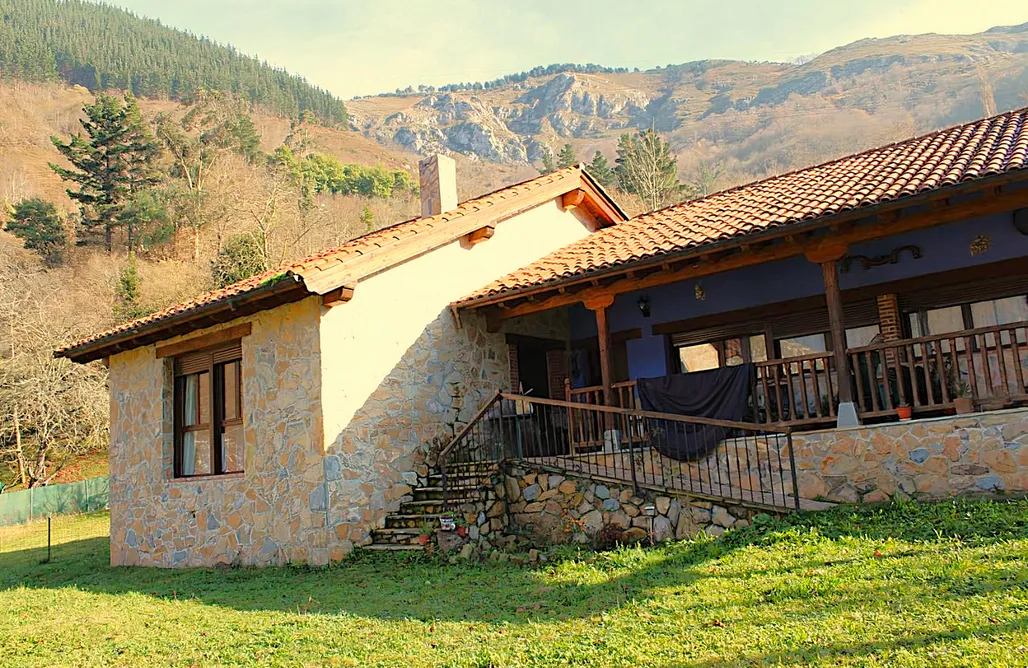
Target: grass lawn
(904, 585)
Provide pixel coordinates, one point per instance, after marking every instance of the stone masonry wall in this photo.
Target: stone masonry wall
(530, 506)
(561, 509)
(259, 517)
(402, 374)
(980, 453)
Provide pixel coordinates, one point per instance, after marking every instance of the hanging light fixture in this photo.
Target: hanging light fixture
(644, 306)
(699, 292)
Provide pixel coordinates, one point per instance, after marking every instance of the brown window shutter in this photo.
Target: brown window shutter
(512, 357)
(228, 353)
(557, 371)
(192, 363)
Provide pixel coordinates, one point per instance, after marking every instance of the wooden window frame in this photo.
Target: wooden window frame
(231, 353)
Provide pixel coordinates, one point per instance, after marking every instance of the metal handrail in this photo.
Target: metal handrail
(721, 460)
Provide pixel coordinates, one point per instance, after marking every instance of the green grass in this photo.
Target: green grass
(904, 585)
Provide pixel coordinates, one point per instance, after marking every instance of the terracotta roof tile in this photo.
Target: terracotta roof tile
(986, 147)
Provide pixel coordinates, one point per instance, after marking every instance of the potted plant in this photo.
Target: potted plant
(462, 527)
(904, 412)
(426, 533)
(963, 402)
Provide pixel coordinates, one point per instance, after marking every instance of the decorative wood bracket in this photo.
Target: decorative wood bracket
(573, 199)
(480, 235)
(337, 296)
(877, 261)
(826, 252)
(599, 302)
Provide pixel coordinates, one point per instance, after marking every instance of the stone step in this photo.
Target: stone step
(425, 493)
(431, 506)
(436, 480)
(390, 547)
(389, 537)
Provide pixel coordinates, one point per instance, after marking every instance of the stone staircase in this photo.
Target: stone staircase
(464, 482)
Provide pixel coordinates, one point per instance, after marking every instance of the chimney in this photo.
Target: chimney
(438, 182)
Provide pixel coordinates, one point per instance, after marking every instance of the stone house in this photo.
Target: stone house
(876, 299)
(278, 419)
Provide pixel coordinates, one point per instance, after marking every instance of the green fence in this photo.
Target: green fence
(77, 497)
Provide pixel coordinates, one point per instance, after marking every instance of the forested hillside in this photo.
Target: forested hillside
(101, 47)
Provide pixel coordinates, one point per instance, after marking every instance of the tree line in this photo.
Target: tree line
(644, 168)
(102, 47)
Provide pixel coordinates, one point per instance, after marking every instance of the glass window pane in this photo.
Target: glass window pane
(803, 345)
(945, 320)
(231, 398)
(232, 449)
(916, 331)
(700, 357)
(858, 337)
(205, 398)
(733, 352)
(196, 453)
(1000, 311)
(189, 400)
(758, 348)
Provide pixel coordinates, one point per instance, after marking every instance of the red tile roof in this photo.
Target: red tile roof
(983, 148)
(333, 268)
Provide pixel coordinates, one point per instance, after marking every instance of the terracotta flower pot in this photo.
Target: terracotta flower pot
(904, 413)
(424, 538)
(963, 405)
(462, 531)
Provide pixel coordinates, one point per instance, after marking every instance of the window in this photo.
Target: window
(798, 346)
(858, 337)
(728, 352)
(986, 313)
(208, 412)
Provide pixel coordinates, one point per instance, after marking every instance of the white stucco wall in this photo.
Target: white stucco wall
(397, 372)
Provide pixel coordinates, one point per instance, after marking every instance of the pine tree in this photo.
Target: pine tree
(566, 158)
(37, 223)
(645, 167)
(548, 165)
(367, 219)
(113, 162)
(128, 290)
(600, 170)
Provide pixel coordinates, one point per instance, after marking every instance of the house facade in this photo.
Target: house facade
(279, 419)
(283, 418)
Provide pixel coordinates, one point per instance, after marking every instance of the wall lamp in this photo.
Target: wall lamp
(644, 306)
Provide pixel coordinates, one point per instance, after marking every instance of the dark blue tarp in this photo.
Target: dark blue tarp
(721, 394)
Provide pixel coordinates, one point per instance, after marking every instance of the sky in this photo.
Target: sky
(353, 47)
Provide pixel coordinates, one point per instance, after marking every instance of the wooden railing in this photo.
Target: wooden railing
(796, 391)
(988, 365)
(714, 459)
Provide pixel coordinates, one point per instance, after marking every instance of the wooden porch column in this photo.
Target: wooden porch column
(599, 306)
(828, 257)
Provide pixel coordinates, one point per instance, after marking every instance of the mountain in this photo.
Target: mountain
(749, 119)
(101, 47)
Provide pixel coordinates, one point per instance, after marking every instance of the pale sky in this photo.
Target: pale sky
(357, 48)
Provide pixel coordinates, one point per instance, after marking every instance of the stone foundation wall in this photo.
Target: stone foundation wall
(529, 507)
(973, 454)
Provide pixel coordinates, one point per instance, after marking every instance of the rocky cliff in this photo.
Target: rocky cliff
(752, 117)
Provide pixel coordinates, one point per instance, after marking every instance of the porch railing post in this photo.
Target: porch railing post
(828, 257)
